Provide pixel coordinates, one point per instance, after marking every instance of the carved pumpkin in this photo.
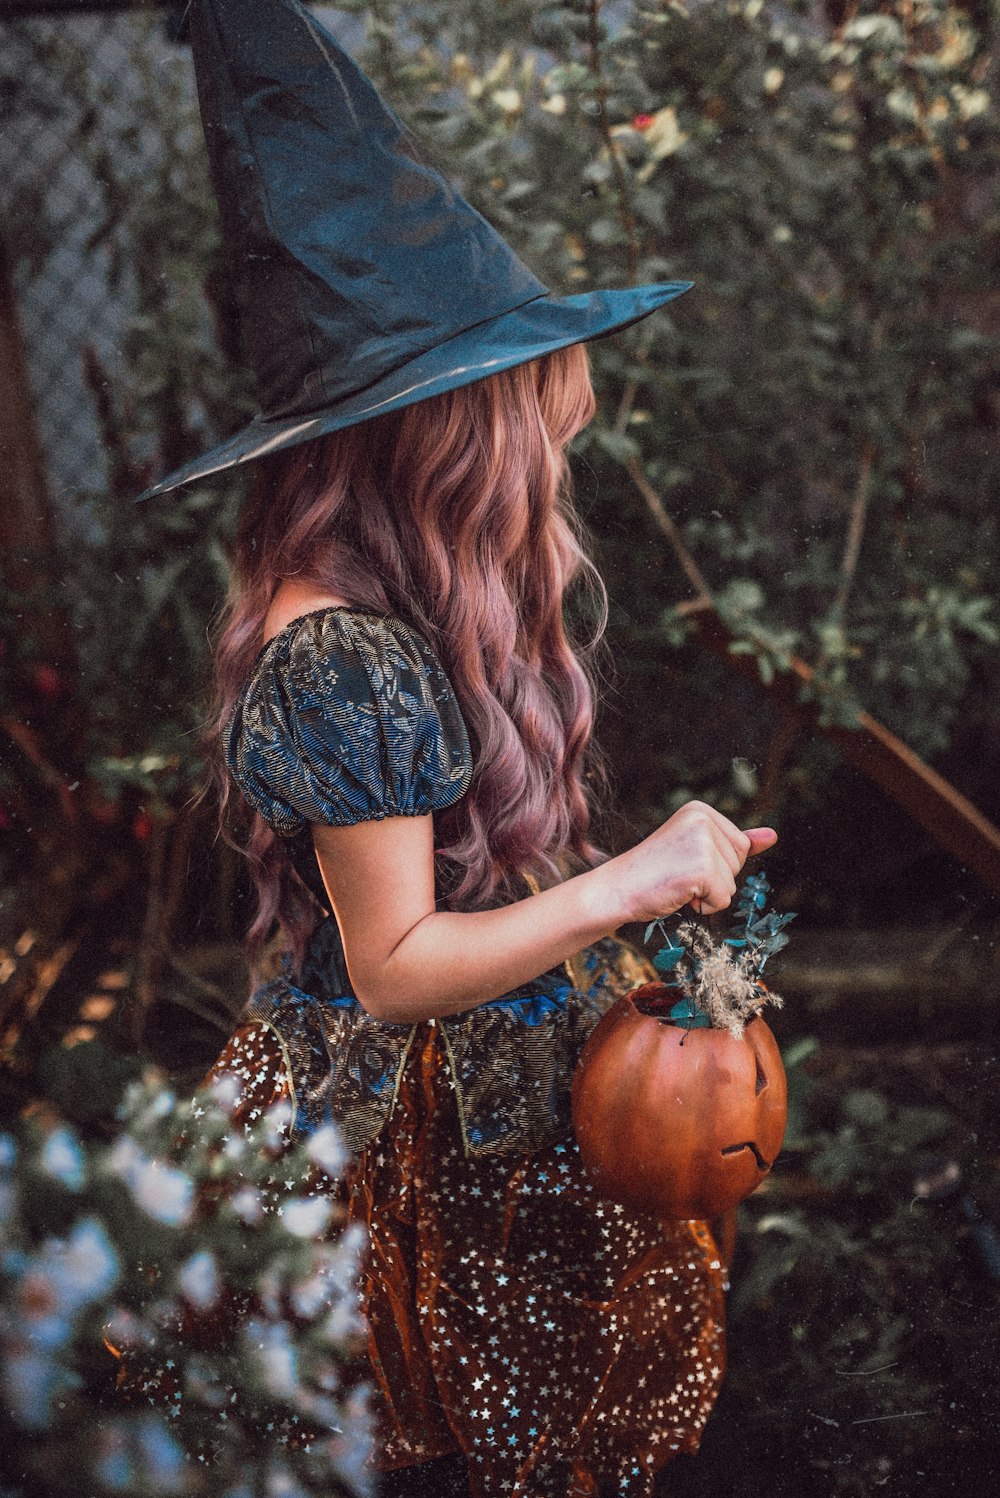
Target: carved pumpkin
(677, 1122)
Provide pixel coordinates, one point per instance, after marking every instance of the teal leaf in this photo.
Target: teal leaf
(687, 1013)
(667, 958)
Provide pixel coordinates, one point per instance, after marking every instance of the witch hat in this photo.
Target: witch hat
(364, 281)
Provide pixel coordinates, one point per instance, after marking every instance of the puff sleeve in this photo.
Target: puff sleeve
(347, 716)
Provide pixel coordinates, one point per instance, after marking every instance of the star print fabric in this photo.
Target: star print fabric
(513, 1315)
(563, 1346)
(511, 1061)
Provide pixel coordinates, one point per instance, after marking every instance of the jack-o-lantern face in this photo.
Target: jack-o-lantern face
(681, 1123)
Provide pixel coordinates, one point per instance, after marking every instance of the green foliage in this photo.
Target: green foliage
(139, 586)
(862, 1355)
(212, 1256)
(815, 413)
(143, 593)
(720, 982)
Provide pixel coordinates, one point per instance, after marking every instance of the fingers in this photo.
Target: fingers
(730, 855)
(714, 898)
(744, 842)
(761, 838)
(733, 846)
(694, 858)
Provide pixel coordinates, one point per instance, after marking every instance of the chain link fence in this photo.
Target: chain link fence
(70, 291)
(70, 89)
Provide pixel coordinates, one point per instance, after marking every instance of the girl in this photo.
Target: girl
(408, 723)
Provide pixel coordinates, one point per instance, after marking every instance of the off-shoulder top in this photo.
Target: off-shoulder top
(347, 715)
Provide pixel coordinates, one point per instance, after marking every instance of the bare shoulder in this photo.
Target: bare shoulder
(292, 600)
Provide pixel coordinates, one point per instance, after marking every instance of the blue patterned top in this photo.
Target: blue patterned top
(347, 716)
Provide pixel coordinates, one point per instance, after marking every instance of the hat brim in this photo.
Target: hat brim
(528, 332)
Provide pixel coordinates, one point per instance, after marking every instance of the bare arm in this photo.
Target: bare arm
(409, 962)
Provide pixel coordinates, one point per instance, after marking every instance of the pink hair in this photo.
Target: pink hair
(455, 515)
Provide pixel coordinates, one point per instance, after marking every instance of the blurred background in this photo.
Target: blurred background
(792, 492)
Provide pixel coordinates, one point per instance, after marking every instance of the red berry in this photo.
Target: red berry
(48, 682)
(142, 827)
(642, 122)
(99, 807)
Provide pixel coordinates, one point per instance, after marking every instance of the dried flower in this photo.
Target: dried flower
(725, 986)
(720, 982)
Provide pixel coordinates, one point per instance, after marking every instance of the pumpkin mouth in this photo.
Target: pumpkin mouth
(734, 1149)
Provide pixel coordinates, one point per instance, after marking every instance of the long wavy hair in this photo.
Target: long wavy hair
(454, 514)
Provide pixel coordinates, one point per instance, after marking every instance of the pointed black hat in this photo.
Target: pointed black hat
(365, 282)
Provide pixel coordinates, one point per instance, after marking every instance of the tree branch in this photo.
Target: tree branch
(670, 529)
(625, 210)
(855, 530)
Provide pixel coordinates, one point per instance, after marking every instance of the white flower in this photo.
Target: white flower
(970, 101)
(326, 1147)
(344, 1323)
(903, 103)
(663, 137)
(30, 1382)
(199, 1280)
(282, 1484)
(114, 1467)
(69, 1273)
(63, 1158)
(166, 1194)
(886, 30)
(146, 1101)
(161, 1105)
(89, 1261)
(773, 79)
(235, 1147)
(226, 1091)
(126, 1160)
(507, 99)
(354, 1443)
(276, 1356)
(247, 1206)
(309, 1297)
(307, 1216)
(958, 44)
(165, 1461)
(276, 1122)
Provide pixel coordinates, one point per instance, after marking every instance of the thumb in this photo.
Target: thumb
(760, 839)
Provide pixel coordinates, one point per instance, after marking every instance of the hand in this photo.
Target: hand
(694, 857)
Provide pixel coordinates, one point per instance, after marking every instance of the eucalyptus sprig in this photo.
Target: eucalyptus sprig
(719, 983)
